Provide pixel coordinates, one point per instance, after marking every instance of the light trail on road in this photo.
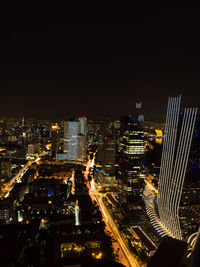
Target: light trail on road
(128, 259)
(7, 187)
(128, 254)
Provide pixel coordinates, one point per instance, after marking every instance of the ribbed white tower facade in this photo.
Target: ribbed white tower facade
(175, 153)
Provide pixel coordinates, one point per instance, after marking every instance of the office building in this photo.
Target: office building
(33, 149)
(75, 136)
(131, 133)
(81, 147)
(131, 148)
(189, 208)
(83, 125)
(93, 133)
(106, 154)
(175, 153)
(55, 139)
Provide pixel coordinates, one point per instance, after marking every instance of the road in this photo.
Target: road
(116, 246)
(128, 259)
(127, 252)
(7, 187)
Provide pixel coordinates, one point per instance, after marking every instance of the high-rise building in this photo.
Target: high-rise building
(189, 208)
(33, 148)
(83, 125)
(71, 139)
(55, 139)
(175, 153)
(82, 139)
(106, 154)
(75, 136)
(131, 133)
(131, 147)
(92, 133)
(132, 142)
(81, 153)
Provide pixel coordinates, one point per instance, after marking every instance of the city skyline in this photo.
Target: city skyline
(57, 64)
(100, 136)
(93, 188)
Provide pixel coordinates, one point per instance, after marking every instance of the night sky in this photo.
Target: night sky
(63, 63)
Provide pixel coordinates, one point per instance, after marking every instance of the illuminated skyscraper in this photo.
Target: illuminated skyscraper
(75, 135)
(71, 139)
(132, 147)
(176, 147)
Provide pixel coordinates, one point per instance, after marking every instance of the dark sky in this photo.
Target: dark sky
(62, 63)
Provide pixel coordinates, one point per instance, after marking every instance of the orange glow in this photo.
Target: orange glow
(158, 141)
(159, 132)
(55, 127)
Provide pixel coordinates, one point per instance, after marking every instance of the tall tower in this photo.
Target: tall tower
(176, 147)
(83, 125)
(55, 139)
(107, 153)
(71, 139)
(75, 135)
(132, 148)
(82, 139)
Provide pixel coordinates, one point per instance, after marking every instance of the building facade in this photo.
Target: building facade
(175, 153)
(33, 149)
(107, 154)
(131, 148)
(55, 139)
(75, 139)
